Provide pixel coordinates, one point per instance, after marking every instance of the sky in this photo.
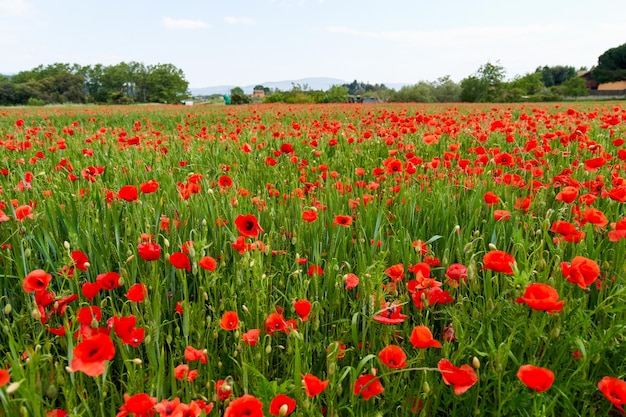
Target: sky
(247, 42)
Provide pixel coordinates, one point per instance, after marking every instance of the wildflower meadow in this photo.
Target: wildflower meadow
(313, 260)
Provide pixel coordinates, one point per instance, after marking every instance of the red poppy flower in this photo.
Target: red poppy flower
(24, 212)
(208, 263)
(567, 194)
(341, 220)
(245, 406)
(614, 390)
(223, 389)
(180, 260)
(128, 193)
(140, 405)
(619, 231)
(535, 377)
(182, 372)
(501, 215)
(137, 293)
(455, 273)
(390, 313)
(225, 181)
(251, 337)
(582, 271)
(90, 290)
(192, 354)
(80, 260)
(393, 356)
(229, 321)
(57, 412)
(86, 315)
(275, 322)
(430, 296)
(125, 329)
(309, 215)
(282, 405)
(303, 308)
(499, 261)
(422, 338)
(313, 385)
(36, 281)
(149, 251)
(368, 386)
(351, 280)
(5, 377)
(149, 187)
(91, 353)
(541, 297)
(248, 225)
(461, 379)
(491, 198)
(108, 280)
(315, 270)
(595, 217)
(395, 272)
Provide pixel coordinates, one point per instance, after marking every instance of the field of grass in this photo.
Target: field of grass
(336, 260)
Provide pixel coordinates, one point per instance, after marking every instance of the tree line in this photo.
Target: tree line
(487, 84)
(124, 83)
(127, 83)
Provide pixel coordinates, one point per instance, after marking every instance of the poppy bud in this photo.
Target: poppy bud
(27, 253)
(137, 361)
(52, 392)
(476, 363)
(426, 387)
(492, 246)
(268, 349)
(8, 309)
(14, 387)
(66, 245)
(554, 333)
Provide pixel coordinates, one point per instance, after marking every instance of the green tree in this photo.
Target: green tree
(611, 65)
(237, 96)
(337, 94)
(166, 84)
(484, 86)
(523, 87)
(574, 87)
(556, 75)
(446, 91)
(422, 92)
(7, 93)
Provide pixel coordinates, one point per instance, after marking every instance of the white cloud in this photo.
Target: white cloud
(15, 8)
(170, 23)
(239, 20)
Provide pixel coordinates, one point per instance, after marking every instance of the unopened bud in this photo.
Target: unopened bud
(492, 247)
(13, 387)
(476, 363)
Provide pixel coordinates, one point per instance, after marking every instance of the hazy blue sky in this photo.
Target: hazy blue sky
(245, 42)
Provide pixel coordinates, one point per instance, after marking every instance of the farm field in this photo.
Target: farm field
(307, 260)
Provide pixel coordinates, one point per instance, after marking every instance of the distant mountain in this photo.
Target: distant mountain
(314, 83)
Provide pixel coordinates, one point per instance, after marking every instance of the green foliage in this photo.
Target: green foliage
(611, 65)
(556, 75)
(35, 102)
(239, 98)
(123, 83)
(574, 87)
(485, 85)
(421, 92)
(338, 94)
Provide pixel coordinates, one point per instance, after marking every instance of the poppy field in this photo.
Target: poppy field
(335, 260)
